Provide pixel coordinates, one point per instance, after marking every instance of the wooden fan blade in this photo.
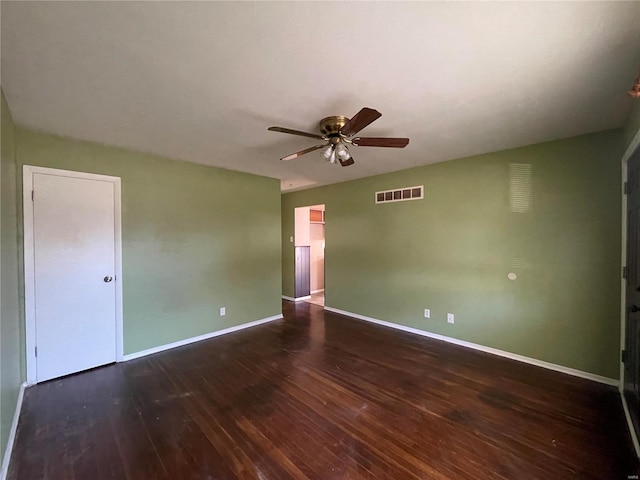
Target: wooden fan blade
(381, 142)
(295, 132)
(347, 162)
(364, 117)
(302, 152)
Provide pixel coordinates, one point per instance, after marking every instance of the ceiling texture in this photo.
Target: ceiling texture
(202, 81)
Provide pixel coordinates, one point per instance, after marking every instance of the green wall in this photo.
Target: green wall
(195, 238)
(10, 323)
(452, 251)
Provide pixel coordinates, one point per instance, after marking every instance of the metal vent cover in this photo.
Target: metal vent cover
(520, 187)
(400, 194)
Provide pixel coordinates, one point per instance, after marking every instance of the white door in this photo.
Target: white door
(74, 266)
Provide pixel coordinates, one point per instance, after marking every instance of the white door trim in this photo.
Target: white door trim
(635, 144)
(29, 266)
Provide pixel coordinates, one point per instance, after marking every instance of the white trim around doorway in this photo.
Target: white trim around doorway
(29, 265)
(631, 149)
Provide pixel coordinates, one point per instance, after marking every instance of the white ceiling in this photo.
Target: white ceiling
(202, 81)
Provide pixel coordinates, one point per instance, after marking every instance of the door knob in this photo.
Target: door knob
(107, 279)
(634, 309)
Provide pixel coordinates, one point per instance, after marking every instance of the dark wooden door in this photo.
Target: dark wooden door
(632, 330)
(303, 272)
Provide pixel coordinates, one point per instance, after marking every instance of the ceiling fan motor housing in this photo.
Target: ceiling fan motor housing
(331, 126)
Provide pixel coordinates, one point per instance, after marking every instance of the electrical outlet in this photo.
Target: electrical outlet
(223, 311)
(450, 318)
(427, 313)
(291, 239)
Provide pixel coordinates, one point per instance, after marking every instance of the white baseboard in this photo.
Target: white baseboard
(199, 338)
(317, 291)
(494, 351)
(632, 431)
(12, 434)
(298, 299)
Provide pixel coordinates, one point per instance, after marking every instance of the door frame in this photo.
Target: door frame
(294, 298)
(629, 152)
(28, 172)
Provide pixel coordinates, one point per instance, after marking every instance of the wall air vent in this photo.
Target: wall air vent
(400, 194)
(520, 187)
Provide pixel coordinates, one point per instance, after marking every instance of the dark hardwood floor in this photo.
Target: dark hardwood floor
(321, 396)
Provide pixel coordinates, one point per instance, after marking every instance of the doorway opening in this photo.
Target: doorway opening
(309, 254)
(631, 355)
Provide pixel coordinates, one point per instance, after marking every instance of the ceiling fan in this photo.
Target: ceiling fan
(338, 131)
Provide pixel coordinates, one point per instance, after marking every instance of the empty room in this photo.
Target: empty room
(319, 240)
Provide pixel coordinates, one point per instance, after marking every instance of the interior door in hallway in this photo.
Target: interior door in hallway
(302, 277)
(632, 329)
(74, 274)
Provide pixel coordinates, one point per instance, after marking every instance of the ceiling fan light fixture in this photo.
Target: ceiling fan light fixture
(327, 152)
(342, 152)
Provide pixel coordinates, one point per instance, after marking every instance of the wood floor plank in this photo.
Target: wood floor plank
(321, 396)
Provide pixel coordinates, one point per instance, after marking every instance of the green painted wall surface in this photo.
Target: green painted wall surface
(452, 251)
(195, 238)
(10, 331)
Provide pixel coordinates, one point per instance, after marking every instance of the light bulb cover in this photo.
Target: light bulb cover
(342, 152)
(327, 152)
